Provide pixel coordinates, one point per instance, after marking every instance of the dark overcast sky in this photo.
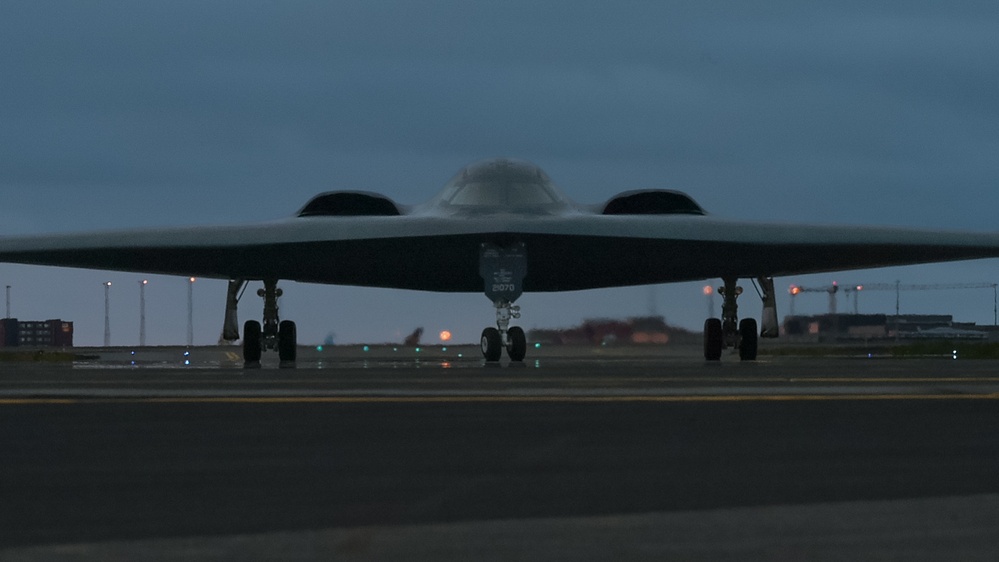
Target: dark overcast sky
(129, 114)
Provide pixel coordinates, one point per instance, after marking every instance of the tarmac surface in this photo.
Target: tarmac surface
(584, 454)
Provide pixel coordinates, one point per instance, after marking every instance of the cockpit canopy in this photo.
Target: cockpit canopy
(502, 185)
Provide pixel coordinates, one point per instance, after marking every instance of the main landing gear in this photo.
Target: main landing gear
(730, 332)
(272, 334)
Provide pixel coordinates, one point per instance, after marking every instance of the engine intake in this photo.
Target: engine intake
(349, 204)
(652, 202)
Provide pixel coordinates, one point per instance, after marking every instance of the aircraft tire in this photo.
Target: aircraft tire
(517, 346)
(287, 341)
(492, 344)
(713, 339)
(748, 339)
(251, 342)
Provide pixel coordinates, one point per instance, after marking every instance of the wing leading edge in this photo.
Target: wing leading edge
(499, 227)
(580, 250)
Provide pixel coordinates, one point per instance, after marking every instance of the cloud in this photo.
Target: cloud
(117, 114)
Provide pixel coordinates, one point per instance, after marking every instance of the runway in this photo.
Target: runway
(581, 456)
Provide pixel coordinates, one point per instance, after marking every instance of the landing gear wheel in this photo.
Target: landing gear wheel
(492, 344)
(287, 342)
(748, 339)
(516, 346)
(713, 339)
(251, 342)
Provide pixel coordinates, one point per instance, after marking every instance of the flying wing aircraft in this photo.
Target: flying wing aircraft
(500, 227)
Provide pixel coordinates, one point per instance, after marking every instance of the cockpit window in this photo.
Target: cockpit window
(502, 184)
(496, 193)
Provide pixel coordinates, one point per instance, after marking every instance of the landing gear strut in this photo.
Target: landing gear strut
(230, 327)
(504, 336)
(730, 332)
(273, 334)
(503, 269)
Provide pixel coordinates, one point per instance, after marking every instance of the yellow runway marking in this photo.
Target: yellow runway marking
(595, 382)
(494, 399)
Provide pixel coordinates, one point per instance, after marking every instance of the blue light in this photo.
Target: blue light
(444, 348)
(417, 350)
(319, 348)
(537, 346)
(187, 353)
(365, 348)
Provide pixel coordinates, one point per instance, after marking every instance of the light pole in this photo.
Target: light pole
(107, 314)
(142, 312)
(8, 302)
(190, 311)
(995, 305)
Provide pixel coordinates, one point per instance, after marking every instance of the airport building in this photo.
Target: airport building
(35, 333)
(645, 330)
(840, 327)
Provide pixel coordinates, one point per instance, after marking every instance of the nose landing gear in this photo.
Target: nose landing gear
(503, 269)
(504, 336)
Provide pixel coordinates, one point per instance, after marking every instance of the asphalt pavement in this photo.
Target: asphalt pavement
(581, 457)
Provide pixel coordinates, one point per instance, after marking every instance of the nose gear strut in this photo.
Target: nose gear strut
(503, 269)
(503, 335)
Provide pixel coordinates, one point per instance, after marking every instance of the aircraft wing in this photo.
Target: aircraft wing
(366, 239)
(499, 227)
(429, 250)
